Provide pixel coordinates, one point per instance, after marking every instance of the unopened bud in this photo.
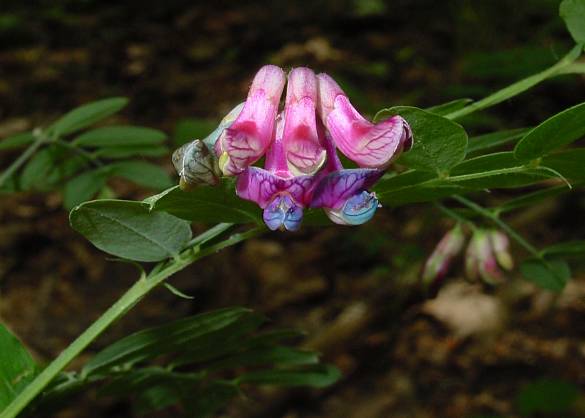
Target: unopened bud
(438, 263)
(501, 247)
(196, 165)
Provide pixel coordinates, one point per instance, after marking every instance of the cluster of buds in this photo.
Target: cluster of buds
(301, 167)
(487, 252)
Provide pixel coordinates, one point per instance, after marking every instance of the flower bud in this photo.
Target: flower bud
(438, 263)
(501, 247)
(196, 165)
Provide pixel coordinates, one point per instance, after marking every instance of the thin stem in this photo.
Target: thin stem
(134, 295)
(520, 86)
(492, 217)
(23, 158)
(81, 152)
(452, 214)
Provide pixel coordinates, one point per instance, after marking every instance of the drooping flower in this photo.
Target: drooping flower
(275, 189)
(438, 263)
(368, 144)
(342, 193)
(249, 136)
(480, 260)
(501, 246)
(304, 152)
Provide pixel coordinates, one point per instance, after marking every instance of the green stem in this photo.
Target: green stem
(136, 293)
(81, 152)
(492, 217)
(452, 214)
(521, 86)
(23, 158)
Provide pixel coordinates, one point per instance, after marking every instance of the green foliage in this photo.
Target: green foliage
(573, 13)
(493, 140)
(446, 108)
(555, 132)
(17, 141)
(17, 368)
(189, 129)
(86, 115)
(550, 274)
(113, 136)
(440, 143)
(129, 230)
(201, 353)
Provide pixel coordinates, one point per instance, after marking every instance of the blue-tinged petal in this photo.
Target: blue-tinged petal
(283, 213)
(334, 190)
(357, 210)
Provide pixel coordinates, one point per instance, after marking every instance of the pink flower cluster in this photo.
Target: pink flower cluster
(299, 143)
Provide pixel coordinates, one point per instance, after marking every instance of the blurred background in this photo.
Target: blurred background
(474, 351)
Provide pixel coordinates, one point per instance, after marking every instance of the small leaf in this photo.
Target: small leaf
(152, 342)
(570, 163)
(573, 13)
(37, 173)
(83, 187)
(439, 144)
(129, 230)
(569, 248)
(549, 274)
(555, 132)
(531, 198)
(496, 139)
(17, 368)
(318, 377)
(86, 115)
(116, 136)
(207, 204)
(446, 108)
(267, 356)
(547, 397)
(17, 141)
(132, 151)
(142, 173)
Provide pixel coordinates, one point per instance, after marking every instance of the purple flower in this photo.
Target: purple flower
(275, 189)
(368, 144)
(342, 192)
(438, 263)
(250, 135)
(304, 152)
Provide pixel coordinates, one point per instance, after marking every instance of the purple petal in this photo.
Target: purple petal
(334, 190)
(261, 186)
(283, 213)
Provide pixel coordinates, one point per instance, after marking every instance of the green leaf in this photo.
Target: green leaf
(318, 377)
(439, 144)
(493, 162)
(132, 151)
(570, 163)
(547, 396)
(555, 132)
(496, 139)
(177, 292)
(569, 248)
(86, 115)
(446, 108)
(207, 204)
(152, 342)
(83, 187)
(17, 368)
(129, 230)
(531, 198)
(116, 136)
(549, 274)
(39, 172)
(142, 173)
(189, 129)
(17, 141)
(266, 356)
(573, 13)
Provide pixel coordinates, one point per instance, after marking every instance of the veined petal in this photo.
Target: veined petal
(368, 144)
(195, 165)
(304, 152)
(248, 138)
(260, 186)
(283, 213)
(357, 210)
(335, 189)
